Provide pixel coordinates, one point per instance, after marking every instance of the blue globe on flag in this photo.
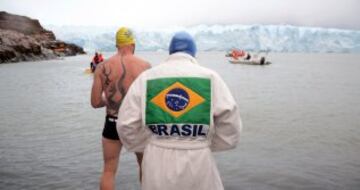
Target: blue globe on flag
(177, 99)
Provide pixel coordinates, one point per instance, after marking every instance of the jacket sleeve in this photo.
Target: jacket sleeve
(227, 122)
(129, 124)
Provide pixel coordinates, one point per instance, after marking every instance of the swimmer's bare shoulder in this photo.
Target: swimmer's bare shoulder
(141, 65)
(110, 61)
(105, 68)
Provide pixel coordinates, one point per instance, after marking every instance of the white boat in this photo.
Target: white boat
(248, 59)
(251, 61)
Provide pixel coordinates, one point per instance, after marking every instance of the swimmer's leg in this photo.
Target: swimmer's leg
(139, 157)
(111, 153)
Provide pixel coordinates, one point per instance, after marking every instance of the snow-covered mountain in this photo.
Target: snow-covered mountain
(276, 38)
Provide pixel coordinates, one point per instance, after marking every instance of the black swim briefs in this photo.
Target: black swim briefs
(109, 131)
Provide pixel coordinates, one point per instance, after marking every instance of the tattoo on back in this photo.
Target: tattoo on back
(113, 103)
(106, 74)
(121, 81)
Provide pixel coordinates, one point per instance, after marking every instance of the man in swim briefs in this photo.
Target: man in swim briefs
(112, 79)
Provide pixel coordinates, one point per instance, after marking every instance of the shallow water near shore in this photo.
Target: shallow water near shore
(300, 115)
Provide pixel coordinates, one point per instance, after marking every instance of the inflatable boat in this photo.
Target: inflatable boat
(251, 61)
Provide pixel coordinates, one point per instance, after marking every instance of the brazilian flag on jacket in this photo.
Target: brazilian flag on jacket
(183, 100)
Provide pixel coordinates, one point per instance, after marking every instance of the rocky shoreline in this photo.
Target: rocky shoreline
(24, 39)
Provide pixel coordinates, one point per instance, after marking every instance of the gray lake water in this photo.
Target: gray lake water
(301, 119)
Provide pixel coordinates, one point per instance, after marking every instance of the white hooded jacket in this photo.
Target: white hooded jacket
(177, 113)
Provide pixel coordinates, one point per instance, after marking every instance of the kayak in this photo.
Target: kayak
(88, 71)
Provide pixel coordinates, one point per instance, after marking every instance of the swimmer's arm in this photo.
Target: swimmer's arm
(98, 100)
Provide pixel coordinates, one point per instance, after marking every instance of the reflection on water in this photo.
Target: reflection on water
(300, 115)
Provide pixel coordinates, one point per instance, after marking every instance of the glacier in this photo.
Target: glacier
(273, 38)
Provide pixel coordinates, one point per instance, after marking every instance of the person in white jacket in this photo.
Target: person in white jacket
(177, 113)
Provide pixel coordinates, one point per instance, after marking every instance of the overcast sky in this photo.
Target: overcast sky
(165, 13)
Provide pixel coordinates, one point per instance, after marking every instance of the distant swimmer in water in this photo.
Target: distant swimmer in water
(112, 80)
(178, 113)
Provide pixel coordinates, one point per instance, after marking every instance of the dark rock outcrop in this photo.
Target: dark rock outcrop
(24, 39)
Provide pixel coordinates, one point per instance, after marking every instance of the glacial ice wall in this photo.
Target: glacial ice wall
(275, 38)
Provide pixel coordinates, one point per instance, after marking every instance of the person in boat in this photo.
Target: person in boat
(112, 79)
(177, 113)
(248, 56)
(98, 58)
(236, 54)
(101, 58)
